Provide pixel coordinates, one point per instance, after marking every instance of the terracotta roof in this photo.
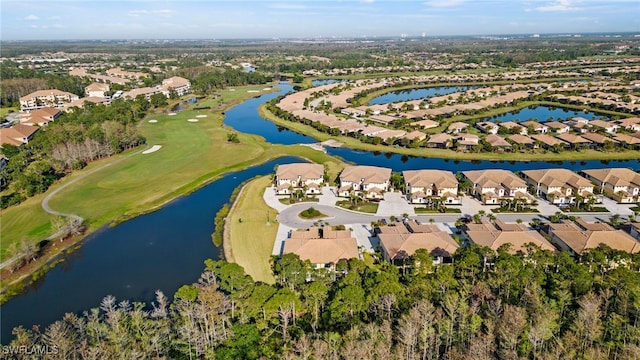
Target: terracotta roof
(557, 177)
(303, 170)
(457, 125)
(632, 140)
(517, 235)
(322, 251)
(494, 177)
(14, 134)
(439, 138)
(598, 138)
(399, 246)
(579, 239)
(370, 174)
(49, 92)
(547, 140)
(427, 124)
(614, 176)
(573, 139)
(429, 178)
(521, 139)
(496, 141)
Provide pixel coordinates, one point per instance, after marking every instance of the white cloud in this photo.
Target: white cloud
(31, 17)
(444, 3)
(162, 13)
(287, 6)
(558, 5)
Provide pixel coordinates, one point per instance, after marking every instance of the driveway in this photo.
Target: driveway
(272, 199)
(615, 208)
(472, 206)
(394, 204)
(546, 208)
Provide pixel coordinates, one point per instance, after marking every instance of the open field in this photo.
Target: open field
(248, 238)
(350, 142)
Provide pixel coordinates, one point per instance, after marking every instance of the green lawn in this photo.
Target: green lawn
(311, 213)
(248, 239)
(365, 207)
(192, 154)
(5, 111)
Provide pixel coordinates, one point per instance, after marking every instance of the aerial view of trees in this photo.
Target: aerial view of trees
(541, 305)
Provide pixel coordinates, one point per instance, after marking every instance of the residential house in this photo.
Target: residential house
(560, 186)
(523, 141)
(557, 127)
(492, 186)
(415, 135)
(488, 127)
(321, 246)
(607, 126)
(147, 92)
(620, 184)
(632, 124)
(598, 139)
(440, 141)
(46, 98)
(399, 244)
(97, 90)
(547, 141)
(427, 124)
(497, 142)
(574, 141)
(467, 141)
(180, 85)
(372, 180)
(422, 185)
(299, 176)
(536, 126)
(630, 140)
(39, 117)
(514, 128)
(517, 236)
(457, 127)
(17, 135)
(578, 236)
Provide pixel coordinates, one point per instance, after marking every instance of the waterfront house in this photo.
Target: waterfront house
(548, 142)
(536, 126)
(620, 184)
(422, 185)
(607, 126)
(523, 141)
(179, 85)
(497, 142)
(576, 237)
(371, 180)
(488, 127)
(557, 127)
(457, 127)
(514, 128)
(560, 186)
(440, 141)
(299, 176)
(467, 141)
(574, 141)
(492, 186)
(598, 139)
(632, 124)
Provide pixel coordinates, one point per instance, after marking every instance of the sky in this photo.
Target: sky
(217, 19)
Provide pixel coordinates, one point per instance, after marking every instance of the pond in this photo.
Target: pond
(416, 94)
(545, 113)
(181, 105)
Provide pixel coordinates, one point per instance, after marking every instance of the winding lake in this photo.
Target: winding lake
(166, 249)
(545, 113)
(416, 94)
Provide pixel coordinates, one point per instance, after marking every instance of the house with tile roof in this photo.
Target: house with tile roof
(17, 134)
(299, 176)
(579, 236)
(560, 186)
(517, 236)
(46, 98)
(96, 90)
(39, 117)
(372, 180)
(322, 247)
(399, 244)
(440, 141)
(493, 186)
(422, 185)
(620, 184)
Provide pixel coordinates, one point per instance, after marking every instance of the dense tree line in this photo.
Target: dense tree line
(205, 79)
(69, 143)
(486, 305)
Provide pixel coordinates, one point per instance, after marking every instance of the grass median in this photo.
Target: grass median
(248, 237)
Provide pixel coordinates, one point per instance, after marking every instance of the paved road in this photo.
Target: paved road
(76, 219)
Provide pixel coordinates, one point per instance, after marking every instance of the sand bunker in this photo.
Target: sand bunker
(266, 89)
(201, 116)
(154, 148)
(232, 89)
(153, 121)
(171, 114)
(253, 91)
(192, 120)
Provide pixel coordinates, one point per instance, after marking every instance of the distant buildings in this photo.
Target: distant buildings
(46, 98)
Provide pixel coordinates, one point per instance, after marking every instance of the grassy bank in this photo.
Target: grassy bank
(248, 237)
